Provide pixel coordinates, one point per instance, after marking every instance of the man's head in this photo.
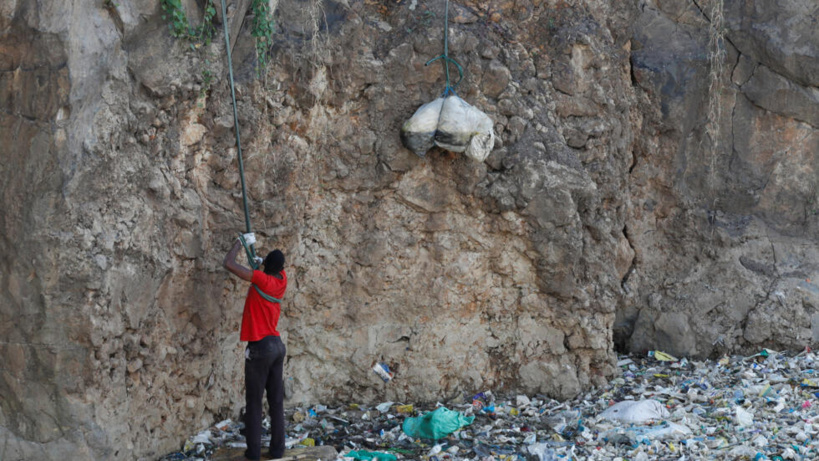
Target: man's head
(274, 262)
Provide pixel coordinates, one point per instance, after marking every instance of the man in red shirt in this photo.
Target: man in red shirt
(264, 355)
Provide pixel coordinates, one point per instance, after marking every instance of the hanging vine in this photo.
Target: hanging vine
(261, 27)
(174, 13)
(207, 30)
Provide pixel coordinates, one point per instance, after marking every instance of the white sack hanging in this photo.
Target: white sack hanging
(451, 124)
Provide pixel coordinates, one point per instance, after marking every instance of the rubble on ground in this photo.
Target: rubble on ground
(762, 407)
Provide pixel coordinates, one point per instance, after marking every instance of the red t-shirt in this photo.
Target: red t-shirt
(261, 317)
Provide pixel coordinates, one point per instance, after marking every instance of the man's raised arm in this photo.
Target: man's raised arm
(237, 269)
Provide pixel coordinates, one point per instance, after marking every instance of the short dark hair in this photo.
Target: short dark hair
(274, 262)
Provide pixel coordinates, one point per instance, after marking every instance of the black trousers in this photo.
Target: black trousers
(263, 372)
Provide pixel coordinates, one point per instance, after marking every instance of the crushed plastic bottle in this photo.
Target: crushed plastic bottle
(383, 371)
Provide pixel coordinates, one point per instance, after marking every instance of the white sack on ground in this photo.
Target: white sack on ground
(451, 124)
(664, 431)
(463, 128)
(418, 133)
(630, 411)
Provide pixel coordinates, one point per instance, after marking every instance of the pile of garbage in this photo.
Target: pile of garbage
(762, 407)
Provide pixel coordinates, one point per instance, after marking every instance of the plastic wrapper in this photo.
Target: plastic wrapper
(542, 452)
(666, 430)
(436, 424)
(631, 411)
(370, 455)
(744, 417)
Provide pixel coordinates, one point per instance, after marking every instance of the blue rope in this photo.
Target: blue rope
(446, 60)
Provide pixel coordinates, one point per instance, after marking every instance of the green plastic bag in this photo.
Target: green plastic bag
(371, 455)
(436, 425)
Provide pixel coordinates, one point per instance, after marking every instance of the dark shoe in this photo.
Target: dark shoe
(240, 458)
(248, 458)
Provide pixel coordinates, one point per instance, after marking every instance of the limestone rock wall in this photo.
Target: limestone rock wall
(726, 237)
(602, 218)
(121, 196)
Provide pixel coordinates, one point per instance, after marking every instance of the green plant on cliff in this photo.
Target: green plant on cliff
(207, 29)
(207, 79)
(175, 15)
(262, 28)
(178, 23)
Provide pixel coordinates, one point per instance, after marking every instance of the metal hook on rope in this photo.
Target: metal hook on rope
(446, 60)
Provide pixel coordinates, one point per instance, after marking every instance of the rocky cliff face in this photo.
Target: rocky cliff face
(596, 219)
(724, 226)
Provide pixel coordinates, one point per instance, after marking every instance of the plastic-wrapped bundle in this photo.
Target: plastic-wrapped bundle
(418, 133)
(463, 128)
(451, 124)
